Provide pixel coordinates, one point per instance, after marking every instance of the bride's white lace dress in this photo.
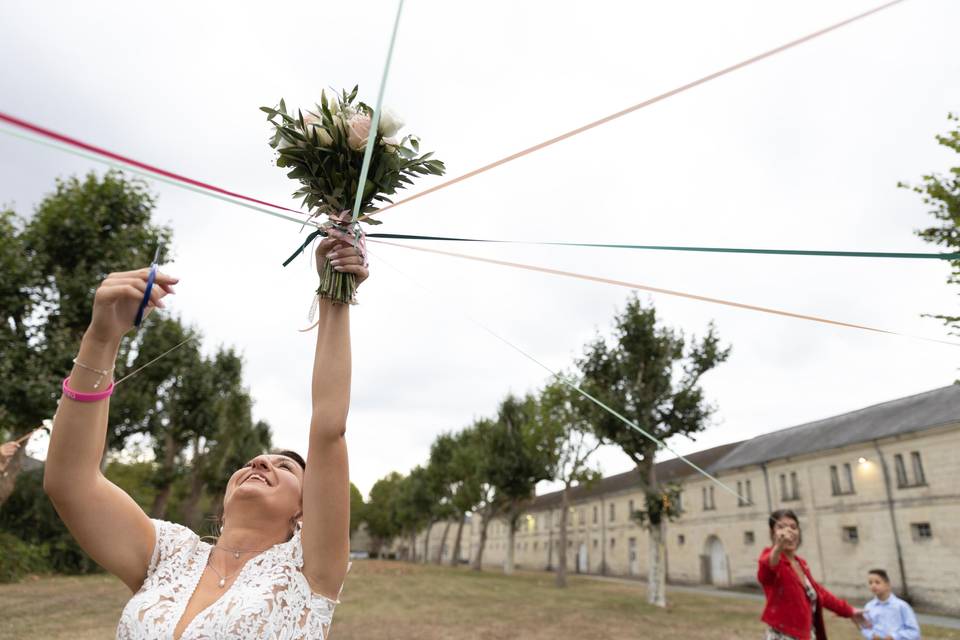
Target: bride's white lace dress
(270, 598)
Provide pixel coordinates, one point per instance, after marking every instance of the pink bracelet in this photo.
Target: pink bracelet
(80, 396)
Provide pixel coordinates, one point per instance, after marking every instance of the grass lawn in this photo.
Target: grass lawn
(392, 600)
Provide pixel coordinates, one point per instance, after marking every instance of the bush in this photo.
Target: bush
(29, 516)
(18, 558)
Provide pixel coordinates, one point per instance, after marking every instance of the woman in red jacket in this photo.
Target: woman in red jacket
(795, 601)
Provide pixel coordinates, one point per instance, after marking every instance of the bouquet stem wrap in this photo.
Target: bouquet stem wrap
(340, 287)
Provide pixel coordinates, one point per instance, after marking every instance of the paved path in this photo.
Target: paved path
(924, 618)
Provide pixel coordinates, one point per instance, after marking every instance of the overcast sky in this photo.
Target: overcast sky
(803, 150)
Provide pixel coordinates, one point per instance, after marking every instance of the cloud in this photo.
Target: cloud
(801, 150)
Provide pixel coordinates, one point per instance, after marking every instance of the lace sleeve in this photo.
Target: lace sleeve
(171, 540)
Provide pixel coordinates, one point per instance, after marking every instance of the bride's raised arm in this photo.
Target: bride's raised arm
(106, 522)
(326, 483)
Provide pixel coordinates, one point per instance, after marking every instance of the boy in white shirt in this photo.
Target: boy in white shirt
(892, 618)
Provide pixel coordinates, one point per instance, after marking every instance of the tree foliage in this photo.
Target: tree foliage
(942, 193)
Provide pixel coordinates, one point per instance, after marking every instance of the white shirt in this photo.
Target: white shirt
(270, 598)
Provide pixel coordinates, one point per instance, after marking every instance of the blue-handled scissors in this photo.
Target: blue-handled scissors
(146, 294)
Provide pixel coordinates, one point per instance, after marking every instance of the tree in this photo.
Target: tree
(380, 512)
(480, 456)
(650, 374)
(569, 413)
(356, 509)
(465, 487)
(522, 452)
(942, 193)
(51, 265)
(444, 478)
(415, 506)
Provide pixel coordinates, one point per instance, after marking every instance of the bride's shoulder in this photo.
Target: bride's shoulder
(172, 539)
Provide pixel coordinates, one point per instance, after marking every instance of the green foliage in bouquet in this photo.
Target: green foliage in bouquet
(324, 151)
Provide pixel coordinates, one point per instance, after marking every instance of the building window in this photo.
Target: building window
(841, 483)
(791, 491)
(583, 516)
(708, 503)
(630, 509)
(594, 514)
(916, 464)
(918, 476)
(744, 494)
(569, 544)
(748, 537)
(921, 531)
(595, 543)
(902, 480)
(613, 542)
(679, 502)
(613, 512)
(681, 539)
(850, 534)
(535, 545)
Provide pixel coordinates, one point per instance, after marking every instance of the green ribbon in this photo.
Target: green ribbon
(401, 236)
(655, 247)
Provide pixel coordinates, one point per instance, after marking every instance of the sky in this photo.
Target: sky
(802, 150)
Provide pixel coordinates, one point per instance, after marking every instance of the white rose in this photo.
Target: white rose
(390, 124)
(392, 144)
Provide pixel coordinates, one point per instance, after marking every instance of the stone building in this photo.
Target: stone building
(876, 487)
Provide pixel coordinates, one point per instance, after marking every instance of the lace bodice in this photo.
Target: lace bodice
(270, 598)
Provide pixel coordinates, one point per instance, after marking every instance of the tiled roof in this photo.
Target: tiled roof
(667, 471)
(895, 417)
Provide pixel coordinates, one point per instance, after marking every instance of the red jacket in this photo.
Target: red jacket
(788, 609)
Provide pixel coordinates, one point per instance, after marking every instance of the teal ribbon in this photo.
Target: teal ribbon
(310, 237)
(655, 247)
(375, 121)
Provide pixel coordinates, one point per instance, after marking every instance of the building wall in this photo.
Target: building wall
(721, 545)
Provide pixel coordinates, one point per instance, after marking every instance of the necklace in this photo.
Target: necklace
(236, 552)
(223, 578)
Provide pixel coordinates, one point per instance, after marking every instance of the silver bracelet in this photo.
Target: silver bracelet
(101, 372)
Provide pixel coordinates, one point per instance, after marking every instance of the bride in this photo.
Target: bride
(277, 568)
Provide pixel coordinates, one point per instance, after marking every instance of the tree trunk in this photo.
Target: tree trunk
(509, 562)
(413, 547)
(426, 544)
(9, 471)
(165, 488)
(478, 559)
(657, 580)
(455, 559)
(443, 542)
(562, 551)
(657, 577)
(191, 511)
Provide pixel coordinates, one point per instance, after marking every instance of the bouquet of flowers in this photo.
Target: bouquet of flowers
(324, 151)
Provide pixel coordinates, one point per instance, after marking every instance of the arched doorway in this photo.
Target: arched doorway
(582, 566)
(715, 563)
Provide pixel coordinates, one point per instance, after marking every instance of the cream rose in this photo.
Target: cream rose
(311, 121)
(358, 130)
(389, 124)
